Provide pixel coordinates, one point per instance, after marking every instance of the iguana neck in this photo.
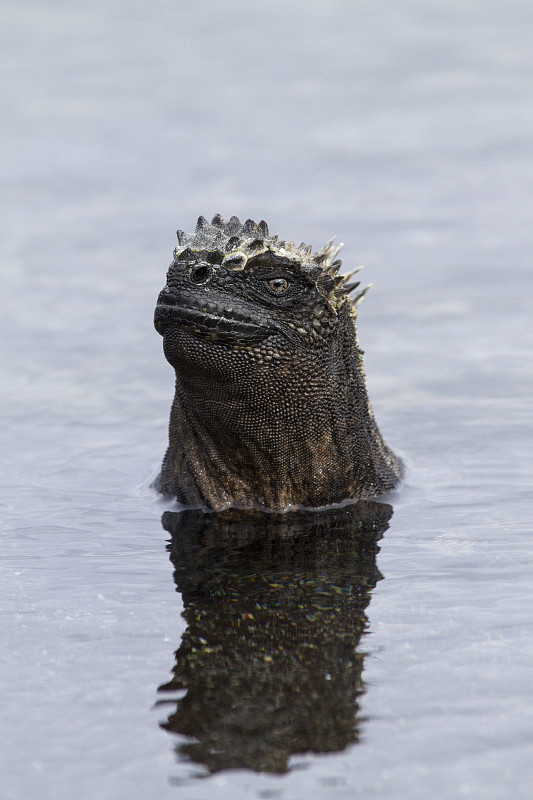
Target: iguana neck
(269, 441)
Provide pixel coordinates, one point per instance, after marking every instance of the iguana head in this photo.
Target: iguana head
(270, 408)
(235, 286)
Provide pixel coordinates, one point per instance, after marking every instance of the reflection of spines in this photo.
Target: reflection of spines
(274, 606)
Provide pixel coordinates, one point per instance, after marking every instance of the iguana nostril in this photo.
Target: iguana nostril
(201, 273)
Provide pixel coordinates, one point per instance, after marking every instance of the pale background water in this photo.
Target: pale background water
(406, 128)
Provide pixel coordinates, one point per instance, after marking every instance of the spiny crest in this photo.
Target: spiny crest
(233, 244)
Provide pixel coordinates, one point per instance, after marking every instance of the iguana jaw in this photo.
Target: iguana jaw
(210, 319)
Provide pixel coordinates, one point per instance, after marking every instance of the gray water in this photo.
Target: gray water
(406, 129)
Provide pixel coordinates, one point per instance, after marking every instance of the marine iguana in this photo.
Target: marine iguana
(270, 408)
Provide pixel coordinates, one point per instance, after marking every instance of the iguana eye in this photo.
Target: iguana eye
(278, 285)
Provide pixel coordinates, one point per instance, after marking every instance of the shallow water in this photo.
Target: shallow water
(408, 132)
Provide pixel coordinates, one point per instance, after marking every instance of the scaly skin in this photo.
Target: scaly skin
(270, 408)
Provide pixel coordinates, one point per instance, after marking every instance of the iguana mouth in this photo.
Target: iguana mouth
(210, 319)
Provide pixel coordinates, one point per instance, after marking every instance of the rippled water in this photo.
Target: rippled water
(391, 663)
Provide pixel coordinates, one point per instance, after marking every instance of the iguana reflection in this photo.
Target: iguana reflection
(274, 605)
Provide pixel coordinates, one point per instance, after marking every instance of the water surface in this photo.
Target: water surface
(406, 129)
